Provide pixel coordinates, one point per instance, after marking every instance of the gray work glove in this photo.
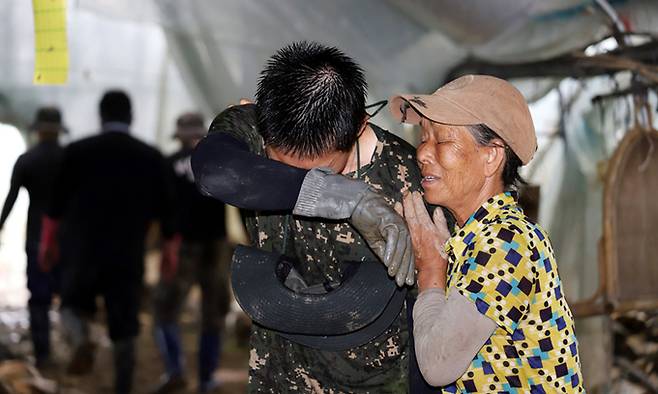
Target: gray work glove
(332, 196)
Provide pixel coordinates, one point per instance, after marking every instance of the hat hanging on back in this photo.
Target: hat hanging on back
(190, 125)
(346, 315)
(471, 100)
(48, 119)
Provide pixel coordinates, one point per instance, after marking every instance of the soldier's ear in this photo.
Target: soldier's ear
(364, 124)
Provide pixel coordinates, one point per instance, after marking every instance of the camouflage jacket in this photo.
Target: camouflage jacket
(278, 365)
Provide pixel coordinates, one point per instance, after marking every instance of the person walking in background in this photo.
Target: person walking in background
(110, 189)
(204, 255)
(35, 170)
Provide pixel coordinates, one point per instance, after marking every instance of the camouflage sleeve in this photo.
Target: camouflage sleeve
(405, 175)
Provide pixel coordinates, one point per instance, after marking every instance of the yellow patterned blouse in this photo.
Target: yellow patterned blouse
(505, 265)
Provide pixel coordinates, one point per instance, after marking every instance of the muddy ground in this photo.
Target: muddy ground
(14, 338)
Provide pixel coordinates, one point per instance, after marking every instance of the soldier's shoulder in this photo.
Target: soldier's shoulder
(81, 145)
(26, 156)
(241, 123)
(394, 142)
(140, 147)
(397, 159)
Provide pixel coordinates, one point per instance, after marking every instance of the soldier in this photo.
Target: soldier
(36, 171)
(311, 113)
(110, 189)
(203, 259)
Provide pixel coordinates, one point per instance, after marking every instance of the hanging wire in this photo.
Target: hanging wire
(379, 104)
(617, 24)
(358, 158)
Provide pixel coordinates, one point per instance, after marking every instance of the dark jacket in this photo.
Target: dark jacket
(198, 218)
(36, 171)
(111, 187)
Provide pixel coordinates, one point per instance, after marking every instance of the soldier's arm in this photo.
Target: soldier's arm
(15, 185)
(63, 186)
(169, 217)
(226, 169)
(230, 165)
(166, 202)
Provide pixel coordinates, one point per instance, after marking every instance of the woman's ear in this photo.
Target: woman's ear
(495, 157)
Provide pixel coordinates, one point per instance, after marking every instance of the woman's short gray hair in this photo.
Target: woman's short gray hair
(484, 135)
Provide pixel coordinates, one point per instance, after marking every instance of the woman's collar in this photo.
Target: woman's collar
(479, 219)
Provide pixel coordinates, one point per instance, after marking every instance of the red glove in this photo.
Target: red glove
(170, 253)
(48, 246)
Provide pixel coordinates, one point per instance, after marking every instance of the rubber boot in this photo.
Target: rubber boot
(77, 332)
(40, 332)
(209, 351)
(76, 327)
(124, 365)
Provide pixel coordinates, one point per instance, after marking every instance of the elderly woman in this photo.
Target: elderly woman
(491, 315)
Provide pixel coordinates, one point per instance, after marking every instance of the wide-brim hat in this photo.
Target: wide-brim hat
(48, 119)
(190, 125)
(358, 310)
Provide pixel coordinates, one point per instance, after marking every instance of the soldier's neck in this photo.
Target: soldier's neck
(367, 145)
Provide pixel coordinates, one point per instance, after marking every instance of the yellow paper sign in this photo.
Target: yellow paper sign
(51, 61)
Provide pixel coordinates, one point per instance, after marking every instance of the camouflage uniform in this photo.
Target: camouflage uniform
(278, 365)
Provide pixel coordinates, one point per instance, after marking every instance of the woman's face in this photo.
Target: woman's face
(452, 164)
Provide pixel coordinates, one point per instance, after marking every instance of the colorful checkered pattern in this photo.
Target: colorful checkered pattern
(505, 265)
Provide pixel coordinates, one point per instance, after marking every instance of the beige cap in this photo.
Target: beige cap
(471, 100)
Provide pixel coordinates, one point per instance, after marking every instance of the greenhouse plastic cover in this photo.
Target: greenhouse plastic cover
(175, 55)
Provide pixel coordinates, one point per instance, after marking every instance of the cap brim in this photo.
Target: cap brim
(355, 304)
(411, 108)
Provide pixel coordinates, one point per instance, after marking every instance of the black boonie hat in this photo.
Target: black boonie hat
(353, 313)
(48, 119)
(190, 125)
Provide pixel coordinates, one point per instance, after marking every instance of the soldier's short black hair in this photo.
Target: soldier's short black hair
(311, 100)
(115, 107)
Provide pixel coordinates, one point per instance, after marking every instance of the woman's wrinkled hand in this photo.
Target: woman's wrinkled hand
(428, 238)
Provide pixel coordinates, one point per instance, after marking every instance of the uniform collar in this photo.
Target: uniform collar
(120, 127)
(478, 220)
